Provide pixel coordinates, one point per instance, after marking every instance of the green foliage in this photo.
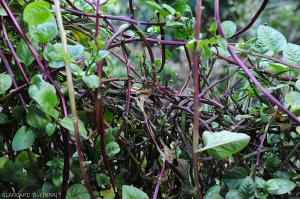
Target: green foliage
(144, 103)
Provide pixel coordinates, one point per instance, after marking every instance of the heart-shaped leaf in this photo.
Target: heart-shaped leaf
(23, 139)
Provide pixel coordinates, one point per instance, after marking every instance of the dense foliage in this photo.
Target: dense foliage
(146, 105)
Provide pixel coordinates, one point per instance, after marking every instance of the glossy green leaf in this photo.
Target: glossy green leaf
(213, 28)
(233, 194)
(234, 177)
(112, 149)
(68, 123)
(23, 139)
(282, 174)
(5, 82)
(213, 193)
(102, 54)
(272, 38)
(206, 52)
(47, 99)
(154, 7)
(2, 11)
(92, 81)
(76, 70)
(23, 52)
(291, 53)
(24, 159)
(3, 118)
(102, 180)
(38, 12)
(46, 32)
(279, 67)
(292, 98)
(297, 85)
(229, 28)
(246, 189)
(37, 118)
(38, 83)
(222, 44)
(51, 54)
(77, 191)
(284, 186)
(130, 192)
(260, 182)
(222, 144)
(272, 160)
(75, 51)
(50, 128)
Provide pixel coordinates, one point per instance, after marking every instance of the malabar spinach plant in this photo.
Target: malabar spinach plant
(92, 106)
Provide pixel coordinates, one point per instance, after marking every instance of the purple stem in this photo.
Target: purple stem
(253, 19)
(160, 178)
(248, 72)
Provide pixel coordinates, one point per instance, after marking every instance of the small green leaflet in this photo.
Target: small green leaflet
(291, 53)
(68, 123)
(46, 32)
(77, 191)
(47, 99)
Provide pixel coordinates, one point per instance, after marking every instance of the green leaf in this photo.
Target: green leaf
(47, 99)
(272, 160)
(24, 159)
(23, 139)
(291, 53)
(213, 193)
(3, 160)
(50, 128)
(233, 194)
(297, 85)
(206, 52)
(112, 149)
(92, 81)
(3, 118)
(2, 11)
(284, 186)
(23, 51)
(46, 32)
(229, 28)
(130, 192)
(77, 191)
(234, 177)
(5, 82)
(272, 38)
(37, 118)
(260, 183)
(213, 28)
(38, 12)
(282, 174)
(279, 67)
(75, 51)
(154, 7)
(68, 123)
(222, 144)
(222, 44)
(76, 70)
(51, 54)
(39, 84)
(220, 51)
(102, 54)
(102, 180)
(13, 172)
(246, 190)
(292, 98)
